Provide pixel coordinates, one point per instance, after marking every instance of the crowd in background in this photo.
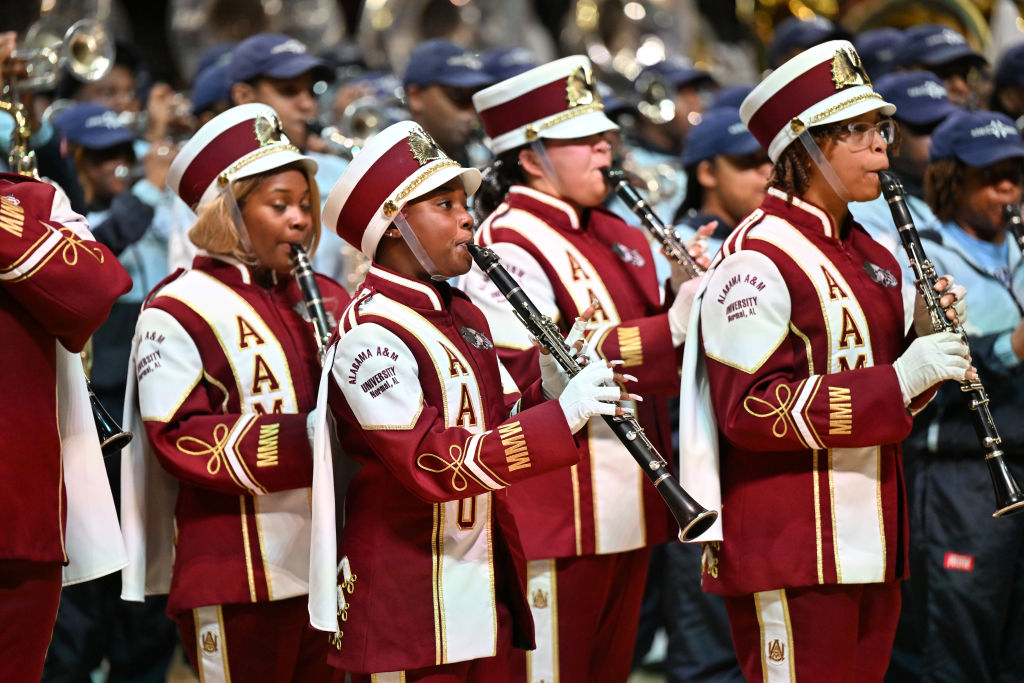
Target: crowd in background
(110, 143)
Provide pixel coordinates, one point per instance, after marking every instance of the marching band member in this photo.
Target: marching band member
(57, 286)
(812, 382)
(587, 530)
(967, 567)
(223, 367)
(433, 573)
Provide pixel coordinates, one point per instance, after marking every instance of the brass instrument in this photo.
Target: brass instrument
(84, 49)
(692, 517)
(81, 60)
(1009, 499)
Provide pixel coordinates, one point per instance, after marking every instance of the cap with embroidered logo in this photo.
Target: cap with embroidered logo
(399, 164)
(243, 141)
(933, 45)
(506, 62)
(442, 62)
(274, 55)
(877, 49)
(823, 84)
(93, 126)
(557, 100)
(919, 96)
(977, 138)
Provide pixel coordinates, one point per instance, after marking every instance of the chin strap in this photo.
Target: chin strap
(823, 165)
(415, 247)
(245, 246)
(545, 162)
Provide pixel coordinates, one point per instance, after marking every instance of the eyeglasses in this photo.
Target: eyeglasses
(860, 133)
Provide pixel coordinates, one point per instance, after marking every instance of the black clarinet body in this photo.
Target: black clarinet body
(693, 518)
(1009, 499)
(306, 279)
(666, 235)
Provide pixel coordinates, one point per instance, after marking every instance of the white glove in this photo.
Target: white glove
(679, 311)
(930, 360)
(552, 377)
(588, 394)
(922, 316)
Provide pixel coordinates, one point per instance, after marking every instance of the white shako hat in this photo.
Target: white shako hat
(398, 164)
(556, 100)
(823, 84)
(243, 141)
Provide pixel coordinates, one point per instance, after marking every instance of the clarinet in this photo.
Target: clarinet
(311, 296)
(1011, 213)
(693, 519)
(669, 239)
(1009, 499)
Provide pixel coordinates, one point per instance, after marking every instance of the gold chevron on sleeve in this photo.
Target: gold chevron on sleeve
(266, 447)
(630, 346)
(12, 217)
(516, 454)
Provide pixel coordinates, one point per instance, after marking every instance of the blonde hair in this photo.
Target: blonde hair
(215, 231)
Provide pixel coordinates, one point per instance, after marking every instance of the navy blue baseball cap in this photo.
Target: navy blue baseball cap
(799, 34)
(506, 62)
(933, 45)
(720, 132)
(218, 54)
(1010, 70)
(730, 96)
(274, 55)
(877, 49)
(919, 96)
(211, 86)
(677, 71)
(442, 62)
(977, 138)
(93, 126)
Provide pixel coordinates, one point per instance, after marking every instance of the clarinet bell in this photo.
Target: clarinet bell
(1009, 499)
(112, 437)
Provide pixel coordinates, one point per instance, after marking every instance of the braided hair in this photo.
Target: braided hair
(944, 187)
(498, 177)
(792, 171)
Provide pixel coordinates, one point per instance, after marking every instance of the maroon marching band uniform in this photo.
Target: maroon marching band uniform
(226, 379)
(603, 512)
(440, 431)
(811, 416)
(57, 288)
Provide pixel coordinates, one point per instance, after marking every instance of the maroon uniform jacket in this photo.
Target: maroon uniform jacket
(800, 323)
(56, 287)
(439, 430)
(564, 262)
(226, 372)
